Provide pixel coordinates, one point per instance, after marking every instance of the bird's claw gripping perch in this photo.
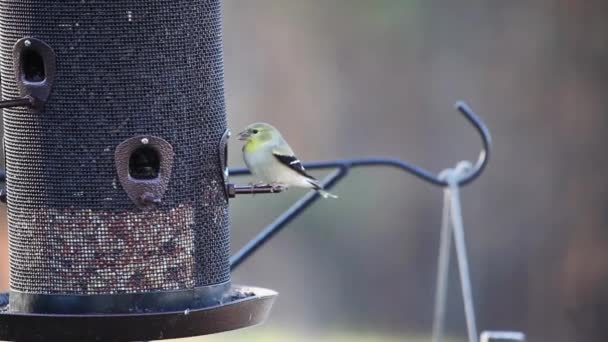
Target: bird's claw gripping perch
(277, 187)
(251, 189)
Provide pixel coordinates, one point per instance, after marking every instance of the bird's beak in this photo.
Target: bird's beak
(244, 135)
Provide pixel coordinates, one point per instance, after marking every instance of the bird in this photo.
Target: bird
(271, 160)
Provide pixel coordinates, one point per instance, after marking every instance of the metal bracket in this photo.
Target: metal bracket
(223, 152)
(343, 166)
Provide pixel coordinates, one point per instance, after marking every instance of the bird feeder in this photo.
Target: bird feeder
(115, 142)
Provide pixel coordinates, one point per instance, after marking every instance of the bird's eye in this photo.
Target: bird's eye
(254, 131)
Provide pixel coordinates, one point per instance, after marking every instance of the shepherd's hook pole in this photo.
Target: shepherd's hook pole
(452, 216)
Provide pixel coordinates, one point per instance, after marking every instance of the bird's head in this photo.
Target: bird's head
(258, 133)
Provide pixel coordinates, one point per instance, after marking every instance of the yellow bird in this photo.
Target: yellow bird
(271, 160)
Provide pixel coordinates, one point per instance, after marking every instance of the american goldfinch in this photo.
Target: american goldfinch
(271, 160)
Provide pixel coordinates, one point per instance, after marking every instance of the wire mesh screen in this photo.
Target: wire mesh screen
(124, 68)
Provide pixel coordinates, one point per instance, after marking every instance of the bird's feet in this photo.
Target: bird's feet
(253, 185)
(277, 187)
(274, 186)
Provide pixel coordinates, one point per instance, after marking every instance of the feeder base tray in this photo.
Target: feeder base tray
(243, 307)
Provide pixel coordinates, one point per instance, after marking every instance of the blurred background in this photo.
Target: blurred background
(347, 78)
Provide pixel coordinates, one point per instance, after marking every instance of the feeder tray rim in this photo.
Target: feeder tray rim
(259, 292)
(230, 315)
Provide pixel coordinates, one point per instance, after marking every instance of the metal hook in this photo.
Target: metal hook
(343, 166)
(417, 171)
(420, 172)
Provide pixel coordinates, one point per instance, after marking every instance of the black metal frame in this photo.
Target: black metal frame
(343, 166)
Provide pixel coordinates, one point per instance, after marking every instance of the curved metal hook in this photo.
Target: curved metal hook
(486, 140)
(417, 171)
(430, 177)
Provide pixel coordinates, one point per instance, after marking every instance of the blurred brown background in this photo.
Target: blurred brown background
(344, 78)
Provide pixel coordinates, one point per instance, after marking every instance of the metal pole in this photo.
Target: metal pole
(443, 270)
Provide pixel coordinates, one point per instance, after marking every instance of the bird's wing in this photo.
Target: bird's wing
(292, 162)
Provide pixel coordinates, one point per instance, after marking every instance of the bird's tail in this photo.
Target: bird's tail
(316, 186)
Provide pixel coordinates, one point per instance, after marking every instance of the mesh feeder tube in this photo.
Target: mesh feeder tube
(116, 189)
